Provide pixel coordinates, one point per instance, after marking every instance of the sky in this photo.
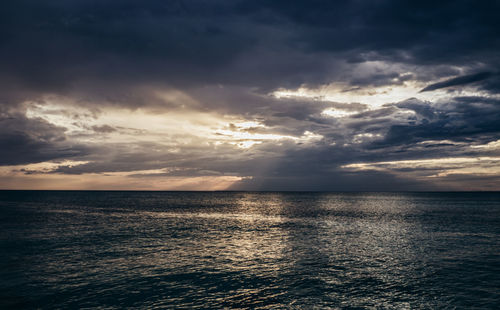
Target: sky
(250, 95)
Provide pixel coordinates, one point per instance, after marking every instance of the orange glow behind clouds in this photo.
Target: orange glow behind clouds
(115, 182)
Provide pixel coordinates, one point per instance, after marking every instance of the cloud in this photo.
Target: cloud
(261, 94)
(108, 52)
(103, 128)
(444, 171)
(461, 80)
(24, 140)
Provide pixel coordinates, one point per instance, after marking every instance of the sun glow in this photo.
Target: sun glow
(332, 112)
(175, 127)
(372, 97)
(42, 176)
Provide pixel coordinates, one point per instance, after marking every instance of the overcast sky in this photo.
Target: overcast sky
(250, 95)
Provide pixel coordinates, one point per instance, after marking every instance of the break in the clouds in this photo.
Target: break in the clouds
(252, 95)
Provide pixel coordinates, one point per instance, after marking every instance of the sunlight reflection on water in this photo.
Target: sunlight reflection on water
(249, 250)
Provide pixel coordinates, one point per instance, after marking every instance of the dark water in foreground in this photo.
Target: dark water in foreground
(249, 250)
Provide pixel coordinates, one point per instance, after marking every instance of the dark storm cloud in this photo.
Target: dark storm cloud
(95, 48)
(471, 119)
(461, 80)
(24, 141)
(317, 169)
(226, 57)
(423, 31)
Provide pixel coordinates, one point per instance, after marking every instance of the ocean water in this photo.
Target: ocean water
(184, 250)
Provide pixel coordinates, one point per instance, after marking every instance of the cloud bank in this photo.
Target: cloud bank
(249, 95)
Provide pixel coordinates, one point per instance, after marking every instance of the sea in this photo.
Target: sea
(249, 250)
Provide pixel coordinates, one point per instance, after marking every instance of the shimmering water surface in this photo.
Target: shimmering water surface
(249, 250)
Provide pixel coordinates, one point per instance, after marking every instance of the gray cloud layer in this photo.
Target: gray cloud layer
(228, 56)
(461, 80)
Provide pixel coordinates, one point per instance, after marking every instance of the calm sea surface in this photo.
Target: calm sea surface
(249, 250)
